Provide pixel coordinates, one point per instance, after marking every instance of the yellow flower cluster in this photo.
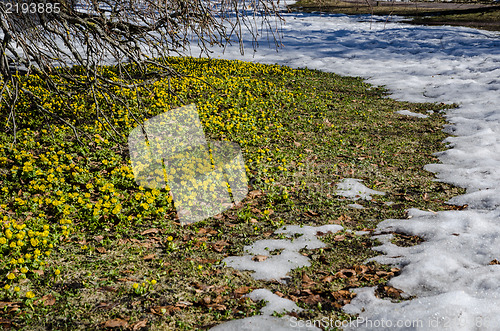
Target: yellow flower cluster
(22, 248)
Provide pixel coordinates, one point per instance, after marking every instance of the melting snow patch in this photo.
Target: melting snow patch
(453, 273)
(356, 206)
(266, 322)
(353, 189)
(410, 113)
(267, 266)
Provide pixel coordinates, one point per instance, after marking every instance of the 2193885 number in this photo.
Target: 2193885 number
(32, 8)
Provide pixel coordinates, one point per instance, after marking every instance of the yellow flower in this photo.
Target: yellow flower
(30, 295)
(135, 286)
(57, 272)
(11, 276)
(17, 289)
(6, 287)
(170, 238)
(153, 282)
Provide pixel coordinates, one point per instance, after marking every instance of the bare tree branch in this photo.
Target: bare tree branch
(48, 37)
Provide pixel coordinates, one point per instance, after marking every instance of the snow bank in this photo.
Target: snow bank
(267, 266)
(455, 286)
(353, 189)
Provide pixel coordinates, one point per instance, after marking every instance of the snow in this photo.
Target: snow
(410, 113)
(276, 267)
(266, 322)
(449, 274)
(353, 189)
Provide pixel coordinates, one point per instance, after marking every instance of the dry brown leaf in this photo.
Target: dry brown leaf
(116, 323)
(306, 278)
(346, 273)
(495, 261)
(240, 291)
(297, 144)
(255, 193)
(152, 230)
(98, 238)
(139, 325)
(183, 304)
(4, 304)
(101, 250)
(162, 310)
(255, 211)
(312, 213)
(312, 299)
(219, 245)
(48, 300)
(339, 238)
(361, 269)
(217, 306)
(327, 279)
(38, 272)
(149, 257)
(259, 258)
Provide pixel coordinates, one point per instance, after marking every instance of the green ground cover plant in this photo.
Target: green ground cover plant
(83, 246)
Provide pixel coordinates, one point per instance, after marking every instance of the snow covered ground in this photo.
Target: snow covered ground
(450, 275)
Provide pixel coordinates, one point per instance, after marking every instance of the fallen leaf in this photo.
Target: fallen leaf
(149, 257)
(297, 144)
(361, 269)
(313, 299)
(217, 306)
(311, 213)
(116, 323)
(255, 211)
(346, 273)
(306, 278)
(339, 238)
(240, 291)
(162, 310)
(495, 261)
(101, 250)
(38, 272)
(4, 304)
(259, 258)
(139, 325)
(48, 300)
(152, 230)
(218, 246)
(327, 279)
(98, 238)
(255, 193)
(183, 304)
